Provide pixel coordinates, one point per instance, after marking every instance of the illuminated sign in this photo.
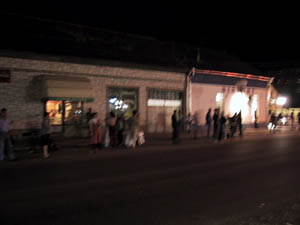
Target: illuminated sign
(161, 102)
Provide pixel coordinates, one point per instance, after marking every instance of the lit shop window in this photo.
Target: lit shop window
(55, 110)
(66, 112)
(122, 100)
(73, 112)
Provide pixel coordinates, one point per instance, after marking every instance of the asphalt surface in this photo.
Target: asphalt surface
(249, 180)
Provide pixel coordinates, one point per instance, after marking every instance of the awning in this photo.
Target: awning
(65, 88)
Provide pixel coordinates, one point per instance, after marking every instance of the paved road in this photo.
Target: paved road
(192, 183)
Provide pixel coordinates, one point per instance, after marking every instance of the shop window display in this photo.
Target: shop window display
(64, 112)
(122, 100)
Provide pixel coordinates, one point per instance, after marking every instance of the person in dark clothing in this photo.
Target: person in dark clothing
(239, 122)
(120, 126)
(222, 124)
(233, 125)
(208, 121)
(216, 123)
(255, 119)
(175, 127)
(89, 115)
(298, 120)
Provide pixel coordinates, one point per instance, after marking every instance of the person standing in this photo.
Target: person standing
(239, 123)
(298, 115)
(216, 121)
(133, 130)
(174, 127)
(5, 139)
(89, 115)
(45, 135)
(120, 126)
(255, 119)
(189, 120)
(96, 133)
(292, 119)
(208, 121)
(195, 125)
(111, 123)
(222, 131)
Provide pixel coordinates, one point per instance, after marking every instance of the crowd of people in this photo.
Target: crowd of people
(223, 126)
(114, 131)
(280, 119)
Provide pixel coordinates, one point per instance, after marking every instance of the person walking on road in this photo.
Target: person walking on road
(208, 121)
(5, 138)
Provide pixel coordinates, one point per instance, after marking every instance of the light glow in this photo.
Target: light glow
(239, 102)
(281, 101)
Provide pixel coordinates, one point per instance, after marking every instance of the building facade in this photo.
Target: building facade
(30, 87)
(231, 93)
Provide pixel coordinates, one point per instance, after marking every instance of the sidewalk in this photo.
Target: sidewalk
(157, 139)
(152, 140)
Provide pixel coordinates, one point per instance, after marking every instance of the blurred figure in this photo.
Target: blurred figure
(239, 123)
(233, 125)
(194, 125)
(45, 135)
(111, 125)
(292, 119)
(222, 130)
(89, 115)
(216, 123)
(174, 127)
(273, 122)
(189, 119)
(132, 135)
(298, 115)
(96, 133)
(5, 139)
(208, 121)
(255, 119)
(120, 127)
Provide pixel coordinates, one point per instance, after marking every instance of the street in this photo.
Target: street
(248, 180)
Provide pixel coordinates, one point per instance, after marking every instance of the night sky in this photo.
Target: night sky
(253, 32)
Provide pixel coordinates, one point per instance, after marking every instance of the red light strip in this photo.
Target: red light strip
(231, 74)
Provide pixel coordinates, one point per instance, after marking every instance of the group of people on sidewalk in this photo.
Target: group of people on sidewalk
(223, 127)
(114, 131)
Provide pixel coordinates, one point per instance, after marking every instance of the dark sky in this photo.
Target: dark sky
(252, 31)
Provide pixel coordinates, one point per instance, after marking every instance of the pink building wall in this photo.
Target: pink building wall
(203, 97)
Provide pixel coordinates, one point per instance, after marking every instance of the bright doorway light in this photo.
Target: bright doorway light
(239, 102)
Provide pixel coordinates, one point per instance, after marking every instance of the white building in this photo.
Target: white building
(231, 92)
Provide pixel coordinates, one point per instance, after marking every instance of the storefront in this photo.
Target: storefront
(160, 106)
(64, 98)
